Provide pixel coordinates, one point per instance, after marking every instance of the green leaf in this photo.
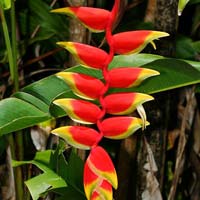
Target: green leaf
(46, 89)
(17, 114)
(173, 74)
(32, 100)
(72, 173)
(40, 11)
(133, 60)
(142, 59)
(46, 181)
(6, 4)
(184, 48)
(59, 176)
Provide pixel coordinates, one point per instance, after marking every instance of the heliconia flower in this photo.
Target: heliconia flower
(94, 19)
(120, 127)
(135, 41)
(100, 164)
(85, 54)
(125, 77)
(76, 136)
(95, 186)
(82, 85)
(124, 103)
(79, 110)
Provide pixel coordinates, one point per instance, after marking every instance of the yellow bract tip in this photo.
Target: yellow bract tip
(158, 34)
(62, 10)
(64, 75)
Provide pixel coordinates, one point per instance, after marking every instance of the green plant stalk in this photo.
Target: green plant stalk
(7, 42)
(14, 46)
(19, 154)
(19, 136)
(12, 59)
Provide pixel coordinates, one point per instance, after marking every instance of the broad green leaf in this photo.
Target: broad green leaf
(17, 114)
(59, 176)
(42, 183)
(142, 59)
(173, 74)
(133, 60)
(72, 173)
(48, 180)
(32, 100)
(46, 89)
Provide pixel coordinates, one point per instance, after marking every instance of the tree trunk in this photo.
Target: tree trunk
(158, 111)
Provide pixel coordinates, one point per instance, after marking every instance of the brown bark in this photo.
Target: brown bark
(156, 135)
(158, 111)
(166, 20)
(125, 168)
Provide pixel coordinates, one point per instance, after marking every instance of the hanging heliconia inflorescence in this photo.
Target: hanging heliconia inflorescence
(99, 172)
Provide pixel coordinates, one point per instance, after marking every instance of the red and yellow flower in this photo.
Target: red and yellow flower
(135, 41)
(99, 172)
(126, 77)
(76, 136)
(124, 103)
(82, 85)
(121, 127)
(79, 110)
(94, 19)
(86, 55)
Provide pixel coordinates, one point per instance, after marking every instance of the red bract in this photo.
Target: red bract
(125, 77)
(99, 174)
(75, 136)
(94, 19)
(86, 54)
(135, 41)
(95, 186)
(79, 110)
(124, 103)
(82, 85)
(120, 127)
